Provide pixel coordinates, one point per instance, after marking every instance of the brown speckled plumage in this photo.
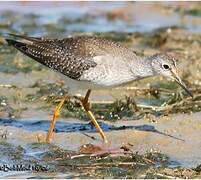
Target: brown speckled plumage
(95, 62)
(74, 56)
(68, 56)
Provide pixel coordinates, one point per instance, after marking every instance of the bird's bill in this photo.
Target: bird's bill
(181, 83)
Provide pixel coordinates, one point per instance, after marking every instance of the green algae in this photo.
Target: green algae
(11, 152)
(127, 164)
(193, 12)
(118, 37)
(160, 99)
(133, 165)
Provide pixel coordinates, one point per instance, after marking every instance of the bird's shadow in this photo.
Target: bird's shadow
(43, 125)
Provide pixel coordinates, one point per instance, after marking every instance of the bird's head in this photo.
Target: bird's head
(165, 65)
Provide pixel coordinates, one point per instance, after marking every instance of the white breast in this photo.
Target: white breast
(109, 72)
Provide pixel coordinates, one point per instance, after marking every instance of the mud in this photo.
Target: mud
(152, 125)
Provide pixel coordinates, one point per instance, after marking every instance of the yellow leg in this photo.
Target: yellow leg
(86, 105)
(54, 119)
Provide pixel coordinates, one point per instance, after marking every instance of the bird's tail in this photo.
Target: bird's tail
(27, 45)
(17, 44)
(23, 37)
(22, 42)
(38, 49)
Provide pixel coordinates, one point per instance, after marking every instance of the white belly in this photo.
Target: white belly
(108, 73)
(75, 86)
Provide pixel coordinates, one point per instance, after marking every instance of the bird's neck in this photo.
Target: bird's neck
(142, 68)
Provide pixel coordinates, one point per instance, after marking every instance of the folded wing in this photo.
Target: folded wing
(68, 56)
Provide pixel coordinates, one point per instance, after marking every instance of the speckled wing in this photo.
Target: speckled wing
(68, 56)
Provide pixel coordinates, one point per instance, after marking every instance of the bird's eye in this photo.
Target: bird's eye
(165, 66)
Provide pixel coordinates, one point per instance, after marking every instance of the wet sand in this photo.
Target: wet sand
(165, 123)
(177, 136)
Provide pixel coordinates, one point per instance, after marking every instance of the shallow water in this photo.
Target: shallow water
(59, 19)
(164, 121)
(169, 135)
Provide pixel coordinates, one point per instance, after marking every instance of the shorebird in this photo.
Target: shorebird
(92, 62)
